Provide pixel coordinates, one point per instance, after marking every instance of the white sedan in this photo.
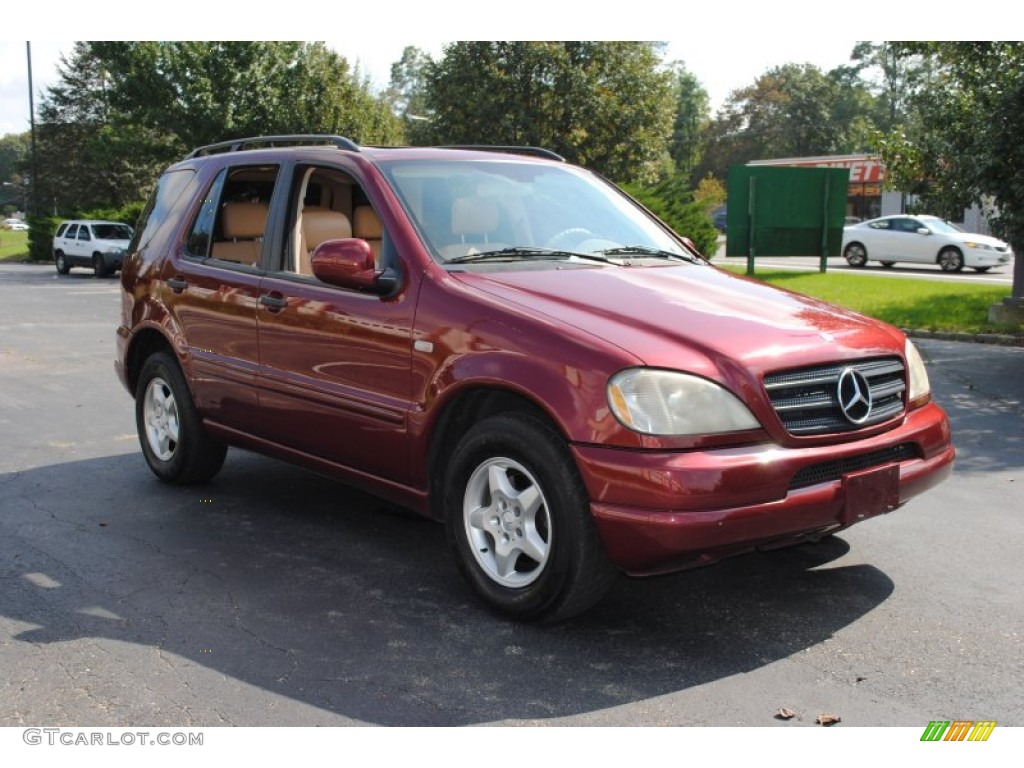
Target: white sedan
(924, 240)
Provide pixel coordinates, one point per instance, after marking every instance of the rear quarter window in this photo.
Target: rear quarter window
(165, 197)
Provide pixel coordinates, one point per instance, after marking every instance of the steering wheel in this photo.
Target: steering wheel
(555, 241)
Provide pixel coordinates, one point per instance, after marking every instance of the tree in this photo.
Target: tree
(894, 77)
(14, 150)
(407, 94)
(967, 143)
(123, 110)
(605, 105)
(693, 114)
(794, 110)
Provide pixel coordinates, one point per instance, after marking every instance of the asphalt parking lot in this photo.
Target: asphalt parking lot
(272, 596)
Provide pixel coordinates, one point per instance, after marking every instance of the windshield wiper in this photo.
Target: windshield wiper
(522, 252)
(656, 253)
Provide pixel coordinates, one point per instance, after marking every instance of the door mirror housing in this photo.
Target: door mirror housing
(349, 263)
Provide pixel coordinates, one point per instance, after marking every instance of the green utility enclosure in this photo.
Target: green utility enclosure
(786, 211)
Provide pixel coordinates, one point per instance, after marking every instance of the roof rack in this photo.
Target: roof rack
(237, 145)
(536, 151)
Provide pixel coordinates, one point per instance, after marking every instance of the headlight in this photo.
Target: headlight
(979, 246)
(920, 388)
(656, 402)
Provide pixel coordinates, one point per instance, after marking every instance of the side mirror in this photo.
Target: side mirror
(923, 231)
(693, 247)
(346, 263)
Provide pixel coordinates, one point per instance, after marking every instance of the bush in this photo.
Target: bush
(673, 202)
(127, 214)
(40, 237)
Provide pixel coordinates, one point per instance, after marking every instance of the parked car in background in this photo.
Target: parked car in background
(16, 225)
(88, 243)
(507, 343)
(719, 218)
(921, 240)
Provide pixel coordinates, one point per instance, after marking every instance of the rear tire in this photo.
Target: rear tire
(61, 263)
(982, 269)
(518, 521)
(887, 264)
(171, 433)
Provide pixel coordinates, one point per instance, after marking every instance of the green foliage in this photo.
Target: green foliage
(689, 129)
(710, 192)
(790, 111)
(126, 214)
(124, 110)
(407, 94)
(604, 105)
(673, 202)
(14, 150)
(967, 141)
(40, 237)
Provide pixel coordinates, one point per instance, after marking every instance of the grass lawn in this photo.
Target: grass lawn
(928, 305)
(13, 245)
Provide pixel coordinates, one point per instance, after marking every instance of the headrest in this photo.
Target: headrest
(366, 224)
(474, 215)
(319, 226)
(244, 220)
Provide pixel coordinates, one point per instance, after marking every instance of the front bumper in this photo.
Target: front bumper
(659, 512)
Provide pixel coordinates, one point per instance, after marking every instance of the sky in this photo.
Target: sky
(727, 45)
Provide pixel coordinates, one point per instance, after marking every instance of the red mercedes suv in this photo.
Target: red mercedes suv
(508, 343)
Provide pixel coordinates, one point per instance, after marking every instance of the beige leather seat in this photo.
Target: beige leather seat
(366, 225)
(243, 225)
(319, 226)
(474, 221)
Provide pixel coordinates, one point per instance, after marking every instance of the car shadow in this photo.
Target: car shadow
(305, 588)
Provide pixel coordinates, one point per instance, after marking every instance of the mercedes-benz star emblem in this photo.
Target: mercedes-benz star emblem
(854, 396)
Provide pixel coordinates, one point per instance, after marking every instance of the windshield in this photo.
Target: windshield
(941, 227)
(112, 231)
(468, 207)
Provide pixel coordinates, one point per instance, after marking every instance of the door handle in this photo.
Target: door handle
(274, 303)
(177, 284)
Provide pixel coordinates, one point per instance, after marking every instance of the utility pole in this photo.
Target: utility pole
(30, 193)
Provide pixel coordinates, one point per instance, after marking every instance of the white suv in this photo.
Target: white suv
(97, 244)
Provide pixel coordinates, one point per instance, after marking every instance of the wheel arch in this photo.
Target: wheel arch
(144, 344)
(458, 414)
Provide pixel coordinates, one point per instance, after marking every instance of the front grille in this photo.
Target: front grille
(807, 399)
(828, 471)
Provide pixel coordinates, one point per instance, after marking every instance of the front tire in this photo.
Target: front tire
(951, 260)
(518, 521)
(98, 265)
(856, 255)
(173, 440)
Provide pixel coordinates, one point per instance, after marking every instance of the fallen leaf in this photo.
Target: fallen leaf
(828, 719)
(785, 714)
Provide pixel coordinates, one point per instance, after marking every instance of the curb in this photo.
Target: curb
(998, 339)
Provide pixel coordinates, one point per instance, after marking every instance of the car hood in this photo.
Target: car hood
(968, 237)
(694, 318)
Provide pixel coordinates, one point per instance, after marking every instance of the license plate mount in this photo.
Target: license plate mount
(869, 493)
